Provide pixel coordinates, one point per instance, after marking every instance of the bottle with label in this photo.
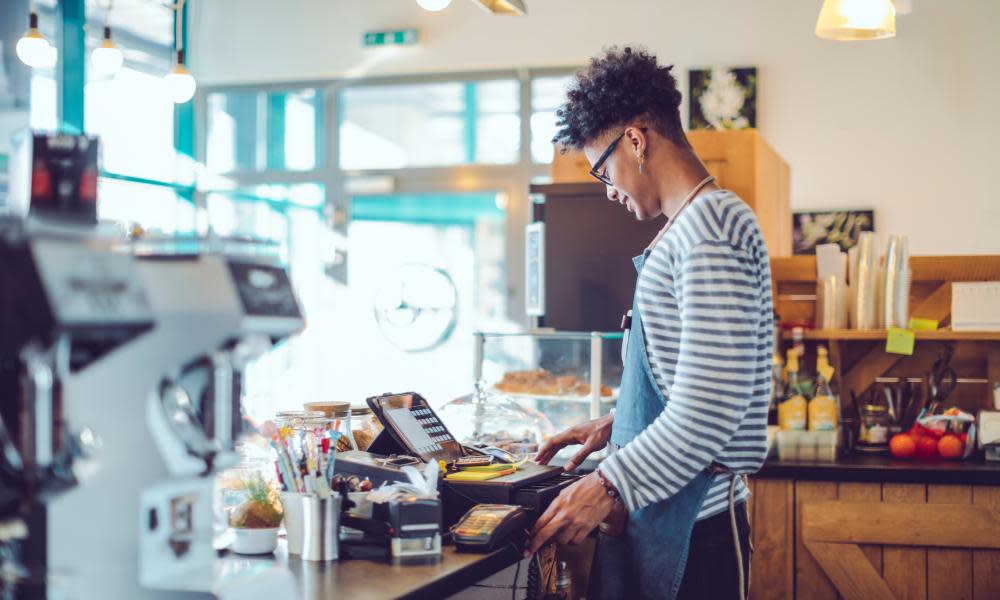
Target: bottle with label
(792, 412)
(823, 408)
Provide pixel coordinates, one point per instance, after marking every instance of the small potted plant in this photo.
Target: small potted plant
(255, 522)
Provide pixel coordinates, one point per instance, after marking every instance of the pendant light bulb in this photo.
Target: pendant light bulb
(849, 20)
(33, 49)
(180, 83)
(433, 5)
(107, 58)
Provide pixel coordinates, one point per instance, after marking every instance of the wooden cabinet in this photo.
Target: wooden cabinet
(744, 163)
(859, 357)
(859, 540)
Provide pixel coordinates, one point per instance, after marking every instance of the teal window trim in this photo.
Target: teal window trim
(72, 75)
(71, 86)
(319, 106)
(428, 209)
(471, 115)
(276, 103)
(185, 192)
(279, 205)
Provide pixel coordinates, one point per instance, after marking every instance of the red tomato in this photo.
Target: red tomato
(950, 446)
(902, 445)
(927, 447)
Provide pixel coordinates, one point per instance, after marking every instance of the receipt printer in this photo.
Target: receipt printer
(414, 528)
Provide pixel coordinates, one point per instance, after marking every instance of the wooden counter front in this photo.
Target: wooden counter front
(833, 537)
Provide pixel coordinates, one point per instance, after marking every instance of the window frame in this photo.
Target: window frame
(72, 21)
(511, 179)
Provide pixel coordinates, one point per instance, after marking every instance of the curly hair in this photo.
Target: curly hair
(620, 86)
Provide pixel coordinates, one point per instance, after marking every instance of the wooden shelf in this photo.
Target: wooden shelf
(943, 335)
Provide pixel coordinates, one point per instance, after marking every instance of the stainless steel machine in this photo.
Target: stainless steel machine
(165, 408)
(194, 413)
(68, 301)
(168, 411)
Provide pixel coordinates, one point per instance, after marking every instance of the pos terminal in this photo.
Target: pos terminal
(414, 433)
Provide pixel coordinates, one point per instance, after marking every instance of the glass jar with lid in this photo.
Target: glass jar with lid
(339, 416)
(296, 419)
(873, 430)
(364, 426)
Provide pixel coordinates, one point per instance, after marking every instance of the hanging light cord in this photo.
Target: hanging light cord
(179, 8)
(107, 14)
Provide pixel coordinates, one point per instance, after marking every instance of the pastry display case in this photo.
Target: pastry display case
(569, 377)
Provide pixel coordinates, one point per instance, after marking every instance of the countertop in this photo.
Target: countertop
(883, 469)
(867, 469)
(362, 579)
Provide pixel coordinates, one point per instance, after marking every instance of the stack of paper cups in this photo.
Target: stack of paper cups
(895, 302)
(863, 285)
(831, 303)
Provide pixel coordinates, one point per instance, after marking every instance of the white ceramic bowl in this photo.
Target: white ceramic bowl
(254, 541)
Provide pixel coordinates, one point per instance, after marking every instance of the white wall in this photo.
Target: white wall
(906, 126)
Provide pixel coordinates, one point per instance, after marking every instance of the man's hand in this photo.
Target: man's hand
(573, 515)
(594, 435)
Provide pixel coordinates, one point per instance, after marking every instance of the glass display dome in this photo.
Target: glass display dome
(495, 419)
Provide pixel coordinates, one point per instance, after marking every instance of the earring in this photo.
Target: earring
(639, 158)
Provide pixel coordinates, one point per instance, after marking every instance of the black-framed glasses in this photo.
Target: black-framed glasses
(595, 170)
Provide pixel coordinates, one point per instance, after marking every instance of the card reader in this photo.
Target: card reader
(487, 527)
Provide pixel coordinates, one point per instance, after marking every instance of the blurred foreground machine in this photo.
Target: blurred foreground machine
(170, 413)
(68, 301)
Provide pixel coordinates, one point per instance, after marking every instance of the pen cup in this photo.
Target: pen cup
(291, 503)
(320, 527)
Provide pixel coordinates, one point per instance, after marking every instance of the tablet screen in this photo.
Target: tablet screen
(416, 423)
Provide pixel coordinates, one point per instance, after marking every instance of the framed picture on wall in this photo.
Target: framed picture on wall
(722, 98)
(844, 227)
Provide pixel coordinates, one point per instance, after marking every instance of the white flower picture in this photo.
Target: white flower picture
(722, 98)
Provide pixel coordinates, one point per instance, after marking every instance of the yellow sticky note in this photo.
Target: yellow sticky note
(923, 324)
(900, 341)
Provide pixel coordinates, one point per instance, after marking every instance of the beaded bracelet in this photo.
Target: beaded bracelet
(609, 487)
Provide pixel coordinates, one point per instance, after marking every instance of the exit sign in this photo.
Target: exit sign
(399, 37)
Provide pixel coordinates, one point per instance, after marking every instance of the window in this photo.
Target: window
(153, 207)
(286, 221)
(256, 131)
(131, 112)
(143, 179)
(435, 238)
(429, 124)
(27, 96)
(134, 118)
(547, 94)
(404, 230)
(261, 213)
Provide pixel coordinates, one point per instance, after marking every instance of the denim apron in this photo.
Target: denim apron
(648, 560)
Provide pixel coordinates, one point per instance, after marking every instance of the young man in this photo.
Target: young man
(692, 410)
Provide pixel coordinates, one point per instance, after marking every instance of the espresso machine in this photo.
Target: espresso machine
(194, 414)
(68, 301)
(168, 412)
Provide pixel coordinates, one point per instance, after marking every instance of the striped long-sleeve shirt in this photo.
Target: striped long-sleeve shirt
(704, 298)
